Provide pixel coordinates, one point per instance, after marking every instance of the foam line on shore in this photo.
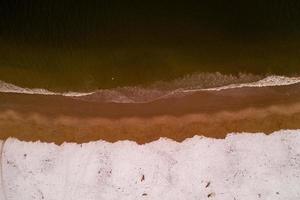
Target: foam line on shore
(266, 82)
(142, 95)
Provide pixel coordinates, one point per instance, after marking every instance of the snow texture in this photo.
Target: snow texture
(241, 167)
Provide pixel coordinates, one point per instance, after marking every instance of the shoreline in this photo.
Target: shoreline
(211, 113)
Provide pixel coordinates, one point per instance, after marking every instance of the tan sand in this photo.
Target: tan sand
(212, 113)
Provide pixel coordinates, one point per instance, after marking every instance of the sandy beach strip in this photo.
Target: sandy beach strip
(209, 113)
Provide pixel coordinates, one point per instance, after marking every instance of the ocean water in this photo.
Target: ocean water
(83, 69)
(241, 166)
(82, 46)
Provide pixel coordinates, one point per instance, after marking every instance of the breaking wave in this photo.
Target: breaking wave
(163, 89)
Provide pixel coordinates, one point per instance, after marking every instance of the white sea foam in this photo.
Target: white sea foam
(242, 166)
(193, 83)
(266, 82)
(11, 88)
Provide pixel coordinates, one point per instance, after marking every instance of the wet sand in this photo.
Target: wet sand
(209, 113)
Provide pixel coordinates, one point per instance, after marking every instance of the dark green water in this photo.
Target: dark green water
(92, 68)
(61, 45)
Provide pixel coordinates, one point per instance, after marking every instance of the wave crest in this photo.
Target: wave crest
(163, 89)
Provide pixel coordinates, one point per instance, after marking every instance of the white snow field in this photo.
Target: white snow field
(241, 167)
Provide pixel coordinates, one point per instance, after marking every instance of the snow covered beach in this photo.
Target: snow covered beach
(242, 166)
(176, 147)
